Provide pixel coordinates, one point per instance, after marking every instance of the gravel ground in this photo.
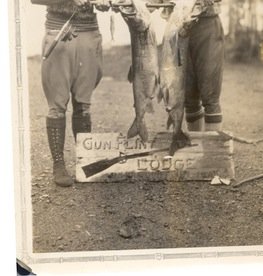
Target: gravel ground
(143, 214)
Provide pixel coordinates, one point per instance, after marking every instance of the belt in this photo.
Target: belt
(56, 21)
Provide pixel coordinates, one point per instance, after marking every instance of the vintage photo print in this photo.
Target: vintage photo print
(138, 128)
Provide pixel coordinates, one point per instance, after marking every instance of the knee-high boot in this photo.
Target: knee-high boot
(81, 124)
(56, 138)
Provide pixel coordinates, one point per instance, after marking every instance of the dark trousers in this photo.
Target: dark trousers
(205, 70)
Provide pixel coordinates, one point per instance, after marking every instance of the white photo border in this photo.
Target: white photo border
(23, 178)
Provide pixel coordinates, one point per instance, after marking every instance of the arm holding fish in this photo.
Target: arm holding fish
(119, 6)
(102, 5)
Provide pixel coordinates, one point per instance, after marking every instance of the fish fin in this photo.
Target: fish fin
(149, 107)
(179, 141)
(157, 80)
(133, 130)
(143, 133)
(164, 95)
(159, 91)
(169, 122)
(138, 129)
(130, 75)
(174, 40)
(160, 95)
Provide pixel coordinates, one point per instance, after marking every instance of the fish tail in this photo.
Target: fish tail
(138, 128)
(175, 117)
(179, 141)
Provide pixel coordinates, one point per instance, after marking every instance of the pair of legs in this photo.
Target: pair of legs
(73, 68)
(204, 75)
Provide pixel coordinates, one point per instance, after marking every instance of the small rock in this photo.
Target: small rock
(71, 203)
(111, 211)
(45, 196)
(225, 181)
(216, 180)
(35, 184)
(129, 228)
(137, 215)
(128, 200)
(123, 232)
(160, 199)
(87, 232)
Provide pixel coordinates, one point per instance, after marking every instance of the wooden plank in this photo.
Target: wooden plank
(211, 156)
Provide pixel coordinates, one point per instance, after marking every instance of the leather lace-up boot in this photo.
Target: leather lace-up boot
(81, 124)
(56, 139)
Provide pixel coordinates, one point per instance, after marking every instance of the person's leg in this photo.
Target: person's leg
(81, 119)
(194, 113)
(56, 139)
(56, 71)
(195, 121)
(89, 73)
(208, 65)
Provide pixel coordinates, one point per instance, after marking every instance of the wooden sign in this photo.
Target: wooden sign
(111, 157)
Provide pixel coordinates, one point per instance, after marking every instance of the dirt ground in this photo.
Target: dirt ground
(142, 214)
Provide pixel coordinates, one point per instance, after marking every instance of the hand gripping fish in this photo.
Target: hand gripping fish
(144, 71)
(173, 70)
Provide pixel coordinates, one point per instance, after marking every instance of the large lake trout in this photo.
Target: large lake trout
(173, 69)
(144, 71)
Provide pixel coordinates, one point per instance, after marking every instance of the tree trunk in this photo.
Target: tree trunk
(243, 40)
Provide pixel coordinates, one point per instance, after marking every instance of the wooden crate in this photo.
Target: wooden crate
(211, 156)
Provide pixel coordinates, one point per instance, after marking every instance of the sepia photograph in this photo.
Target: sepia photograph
(139, 128)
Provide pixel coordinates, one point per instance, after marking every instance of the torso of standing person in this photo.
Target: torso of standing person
(85, 18)
(210, 10)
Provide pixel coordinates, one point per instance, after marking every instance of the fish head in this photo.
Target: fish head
(138, 16)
